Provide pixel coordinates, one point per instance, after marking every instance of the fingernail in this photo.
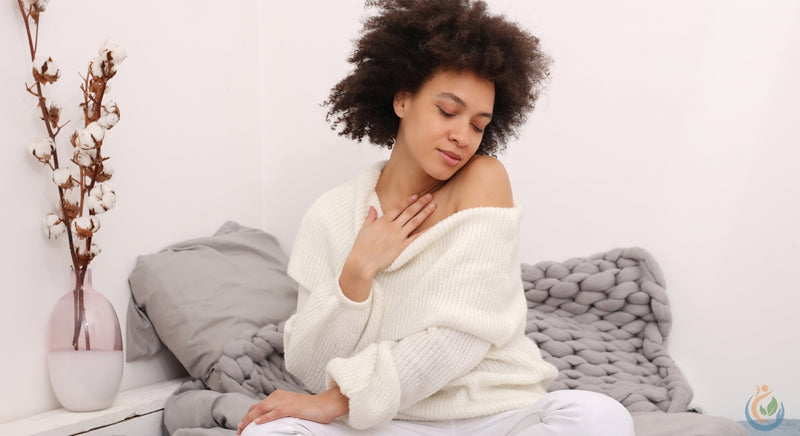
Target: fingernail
(414, 196)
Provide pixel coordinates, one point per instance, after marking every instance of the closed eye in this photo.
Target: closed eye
(446, 114)
(477, 129)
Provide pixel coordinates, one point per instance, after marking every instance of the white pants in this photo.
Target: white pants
(559, 413)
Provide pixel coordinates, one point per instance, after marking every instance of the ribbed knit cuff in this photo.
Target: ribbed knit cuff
(370, 382)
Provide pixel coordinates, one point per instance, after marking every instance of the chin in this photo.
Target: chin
(445, 174)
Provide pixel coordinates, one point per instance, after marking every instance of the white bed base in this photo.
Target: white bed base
(137, 412)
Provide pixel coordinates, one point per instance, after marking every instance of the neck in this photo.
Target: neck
(398, 181)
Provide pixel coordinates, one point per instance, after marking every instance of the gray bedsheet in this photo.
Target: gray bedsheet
(602, 321)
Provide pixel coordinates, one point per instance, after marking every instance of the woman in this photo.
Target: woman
(411, 312)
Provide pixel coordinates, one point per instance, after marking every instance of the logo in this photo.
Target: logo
(760, 416)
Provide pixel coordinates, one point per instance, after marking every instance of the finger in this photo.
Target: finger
(243, 423)
(372, 215)
(414, 209)
(397, 210)
(272, 415)
(419, 218)
(255, 411)
(258, 419)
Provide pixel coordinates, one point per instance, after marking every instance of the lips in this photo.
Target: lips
(449, 157)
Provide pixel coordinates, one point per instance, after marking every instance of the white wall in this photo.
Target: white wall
(186, 152)
(667, 127)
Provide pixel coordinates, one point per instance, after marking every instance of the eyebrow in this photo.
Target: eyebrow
(461, 103)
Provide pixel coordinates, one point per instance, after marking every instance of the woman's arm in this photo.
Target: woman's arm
(379, 243)
(330, 319)
(324, 407)
(389, 376)
(421, 365)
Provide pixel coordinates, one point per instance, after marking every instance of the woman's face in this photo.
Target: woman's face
(442, 124)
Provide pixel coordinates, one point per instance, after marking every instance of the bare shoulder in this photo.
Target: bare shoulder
(483, 182)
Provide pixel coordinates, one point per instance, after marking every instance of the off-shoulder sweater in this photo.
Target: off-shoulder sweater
(441, 335)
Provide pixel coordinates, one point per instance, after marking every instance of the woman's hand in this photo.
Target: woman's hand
(323, 408)
(380, 241)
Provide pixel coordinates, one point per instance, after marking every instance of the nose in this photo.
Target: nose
(459, 134)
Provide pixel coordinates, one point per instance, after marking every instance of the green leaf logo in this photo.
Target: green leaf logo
(772, 407)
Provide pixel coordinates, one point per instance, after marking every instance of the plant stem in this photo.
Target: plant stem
(26, 18)
(80, 270)
(79, 309)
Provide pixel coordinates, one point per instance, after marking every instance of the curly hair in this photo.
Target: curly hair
(408, 41)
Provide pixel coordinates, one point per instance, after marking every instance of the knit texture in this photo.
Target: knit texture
(581, 312)
(253, 365)
(603, 321)
(457, 284)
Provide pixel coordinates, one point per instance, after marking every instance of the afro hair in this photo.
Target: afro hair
(408, 41)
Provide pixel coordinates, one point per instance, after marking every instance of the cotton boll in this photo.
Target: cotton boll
(97, 66)
(34, 8)
(101, 198)
(82, 224)
(84, 158)
(42, 64)
(86, 141)
(53, 226)
(62, 177)
(42, 149)
(45, 70)
(54, 114)
(106, 172)
(56, 230)
(72, 203)
(73, 196)
(109, 114)
(85, 226)
(93, 251)
(95, 131)
(108, 121)
(52, 219)
(113, 52)
(109, 199)
(109, 107)
(95, 205)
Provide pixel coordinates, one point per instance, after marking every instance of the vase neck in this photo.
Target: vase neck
(87, 279)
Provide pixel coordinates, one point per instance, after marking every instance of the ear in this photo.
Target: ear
(400, 102)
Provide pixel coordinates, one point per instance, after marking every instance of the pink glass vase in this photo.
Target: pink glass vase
(84, 348)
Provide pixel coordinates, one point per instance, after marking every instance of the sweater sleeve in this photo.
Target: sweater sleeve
(389, 376)
(327, 325)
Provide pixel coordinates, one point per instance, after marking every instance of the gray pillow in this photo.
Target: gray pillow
(196, 296)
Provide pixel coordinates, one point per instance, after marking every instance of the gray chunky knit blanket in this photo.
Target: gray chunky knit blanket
(602, 321)
(253, 365)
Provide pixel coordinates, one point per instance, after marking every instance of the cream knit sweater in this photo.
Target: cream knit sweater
(441, 335)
